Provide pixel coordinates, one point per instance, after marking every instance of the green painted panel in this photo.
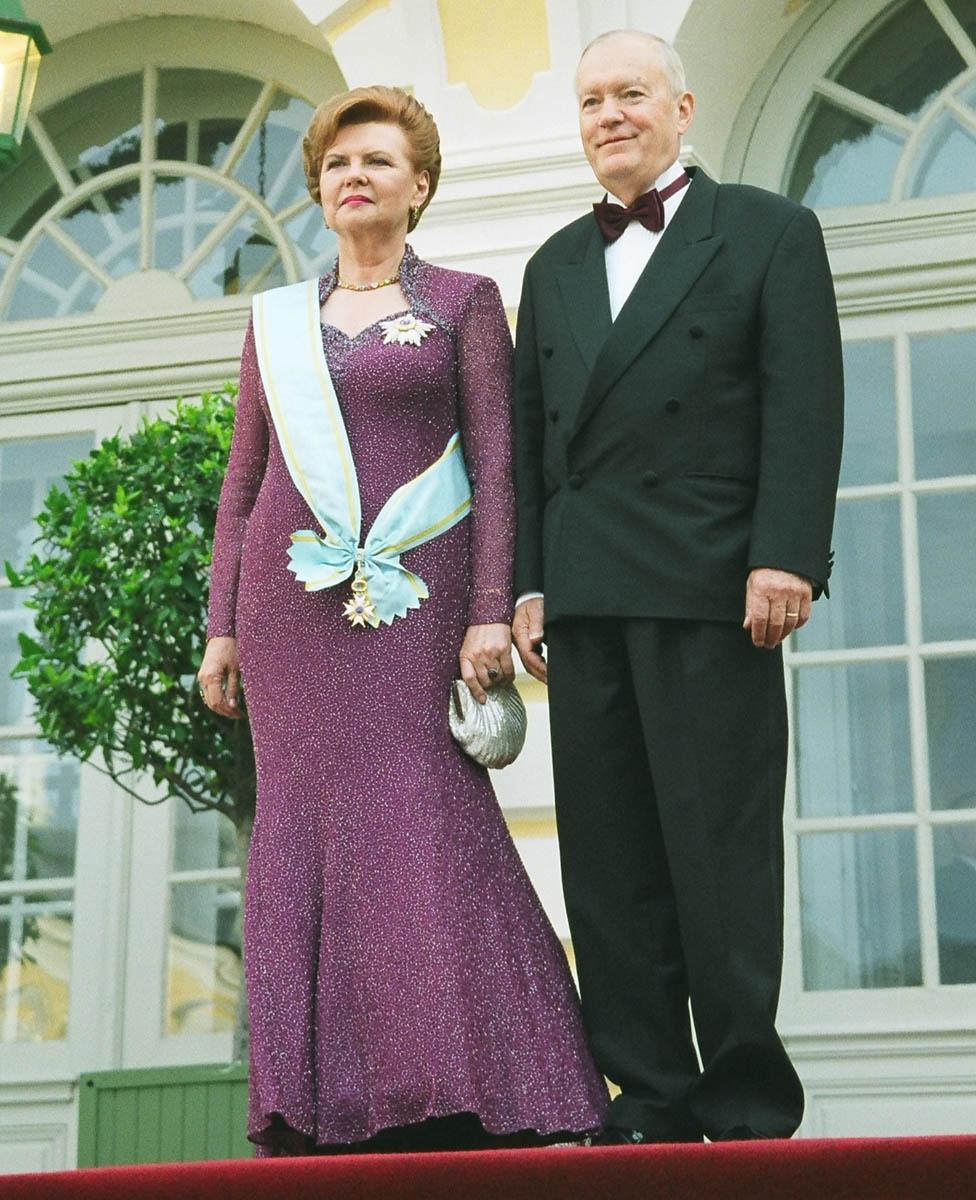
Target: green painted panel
(148, 1106)
(240, 1147)
(87, 1122)
(106, 1130)
(165, 1114)
(126, 1125)
(171, 1123)
(195, 1125)
(218, 1119)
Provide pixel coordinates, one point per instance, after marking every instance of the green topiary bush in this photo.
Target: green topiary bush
(118, 588)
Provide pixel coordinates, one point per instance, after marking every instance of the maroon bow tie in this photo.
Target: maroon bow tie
(648, 208)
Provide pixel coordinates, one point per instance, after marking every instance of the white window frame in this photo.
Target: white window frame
(101, 865)
(932, 1005)
(900, 268)
(145, 1042)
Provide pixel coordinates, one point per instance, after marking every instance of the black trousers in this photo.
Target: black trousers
(669, 749)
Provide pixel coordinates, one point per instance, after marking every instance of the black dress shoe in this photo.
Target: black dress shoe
(616, 1135)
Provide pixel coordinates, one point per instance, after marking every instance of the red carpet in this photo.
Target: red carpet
(937, 1168)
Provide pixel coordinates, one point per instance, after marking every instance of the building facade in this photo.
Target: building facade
(161, 184)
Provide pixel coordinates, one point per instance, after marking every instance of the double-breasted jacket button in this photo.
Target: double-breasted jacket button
(672, 406)
(575, 481)
(547, 351)
(553, 414)
(650, 479)
(696, 331)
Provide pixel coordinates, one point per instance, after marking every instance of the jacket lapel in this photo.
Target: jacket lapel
(586, 300)
(686, 248)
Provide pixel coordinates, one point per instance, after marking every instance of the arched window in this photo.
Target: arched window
(157, 189)
(895, 117)
(870, 117)
(168, 187)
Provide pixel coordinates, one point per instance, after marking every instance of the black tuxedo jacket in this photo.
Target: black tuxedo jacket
(662, 456)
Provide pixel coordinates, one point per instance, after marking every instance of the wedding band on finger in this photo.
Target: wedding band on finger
(793, 615)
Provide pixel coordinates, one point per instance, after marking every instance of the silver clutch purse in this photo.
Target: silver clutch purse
(492, 733)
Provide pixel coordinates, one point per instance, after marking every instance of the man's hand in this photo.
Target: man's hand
(527, 631)
(777, 602)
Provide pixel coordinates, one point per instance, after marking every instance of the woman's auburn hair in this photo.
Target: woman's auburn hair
(376, 103)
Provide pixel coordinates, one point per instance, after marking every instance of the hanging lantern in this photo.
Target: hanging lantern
(22, 42)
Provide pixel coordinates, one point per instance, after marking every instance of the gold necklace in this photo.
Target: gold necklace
(368, 287)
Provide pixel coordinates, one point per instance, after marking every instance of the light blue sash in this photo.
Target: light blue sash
(313, 440)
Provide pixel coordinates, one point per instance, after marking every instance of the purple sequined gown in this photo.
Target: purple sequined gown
(399, 965)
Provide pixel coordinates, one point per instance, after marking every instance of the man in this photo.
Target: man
(678, 434)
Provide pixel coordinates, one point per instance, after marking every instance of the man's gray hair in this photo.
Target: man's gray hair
(673, 67)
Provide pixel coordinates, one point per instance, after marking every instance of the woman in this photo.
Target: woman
(402, 976)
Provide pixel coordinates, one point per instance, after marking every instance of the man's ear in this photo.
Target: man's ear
(686, 110)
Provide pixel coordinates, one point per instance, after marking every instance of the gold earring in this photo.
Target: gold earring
(414, 214)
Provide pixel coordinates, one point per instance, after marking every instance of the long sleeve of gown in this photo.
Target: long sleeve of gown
(245, 470)
(485, 391)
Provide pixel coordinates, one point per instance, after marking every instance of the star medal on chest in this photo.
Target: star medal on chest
(359, 610)
(405, 330)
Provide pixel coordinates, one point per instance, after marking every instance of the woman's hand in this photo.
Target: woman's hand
(220, 677)
(486, 658)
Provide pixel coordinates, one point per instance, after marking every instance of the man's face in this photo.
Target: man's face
(630, 122)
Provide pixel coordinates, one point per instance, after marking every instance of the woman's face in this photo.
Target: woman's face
(368, 182)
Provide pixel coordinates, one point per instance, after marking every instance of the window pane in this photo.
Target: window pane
(965, 13)
(52, 284)
(316, 244)
(91, 225)
(38, 811)
(187, 209)
(28, 190)
(950, 704)
(204, 962)
(107, 226)
(859, 905)
(15, 701)
(28, 469)
(905, 62)
(870, 425)
(867, 600)
(35, 963)
(944, 403)
(955, 895)
(852, 739)
(271, 166)
(947, 562)
(947, 163)
(844, 160)
(203, 840)
(200, 113)
(246, 260)
(99, 128)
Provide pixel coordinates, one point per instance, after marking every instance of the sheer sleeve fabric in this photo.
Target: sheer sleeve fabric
(485, 396)
(242, 481)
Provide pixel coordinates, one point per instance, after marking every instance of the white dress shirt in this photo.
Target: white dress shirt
(626, 259)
